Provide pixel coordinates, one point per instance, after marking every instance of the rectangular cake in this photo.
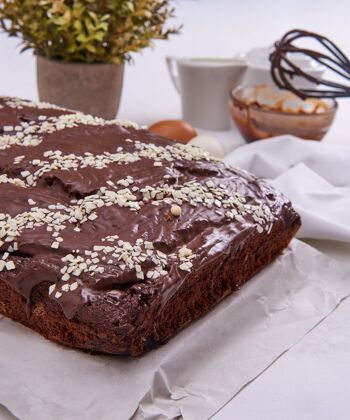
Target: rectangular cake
(112, 238)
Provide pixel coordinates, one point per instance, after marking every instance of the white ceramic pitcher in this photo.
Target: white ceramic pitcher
(204, 84)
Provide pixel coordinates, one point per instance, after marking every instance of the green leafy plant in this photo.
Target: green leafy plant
(105, 31)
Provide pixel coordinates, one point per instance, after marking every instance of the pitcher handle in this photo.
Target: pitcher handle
(172, 67)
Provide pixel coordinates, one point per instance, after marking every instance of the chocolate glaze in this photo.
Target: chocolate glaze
(201, 229)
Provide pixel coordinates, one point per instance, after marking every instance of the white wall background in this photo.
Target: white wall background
(211, 27)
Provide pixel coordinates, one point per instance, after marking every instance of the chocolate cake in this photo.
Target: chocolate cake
(112, 238)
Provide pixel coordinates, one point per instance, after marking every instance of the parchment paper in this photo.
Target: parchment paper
(193, 375)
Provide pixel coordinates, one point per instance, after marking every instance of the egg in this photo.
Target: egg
(177, 130)
(211, 144)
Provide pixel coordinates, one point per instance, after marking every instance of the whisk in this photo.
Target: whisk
(283, 69)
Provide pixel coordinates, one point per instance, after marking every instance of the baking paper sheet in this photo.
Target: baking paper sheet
(193, 375)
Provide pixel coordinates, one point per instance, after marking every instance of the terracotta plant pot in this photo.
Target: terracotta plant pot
(91, 88)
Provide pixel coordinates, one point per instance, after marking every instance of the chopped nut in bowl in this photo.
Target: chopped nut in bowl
(264, 111)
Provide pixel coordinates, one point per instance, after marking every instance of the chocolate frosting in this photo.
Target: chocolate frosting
(175, 245)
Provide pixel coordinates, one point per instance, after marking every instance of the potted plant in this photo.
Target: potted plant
(81, 45)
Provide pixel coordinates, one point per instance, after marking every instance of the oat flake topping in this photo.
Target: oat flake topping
(140, 256)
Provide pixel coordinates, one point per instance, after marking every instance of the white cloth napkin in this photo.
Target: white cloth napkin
(314, 175)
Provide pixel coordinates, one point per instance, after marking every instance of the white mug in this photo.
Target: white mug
(204, 85)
